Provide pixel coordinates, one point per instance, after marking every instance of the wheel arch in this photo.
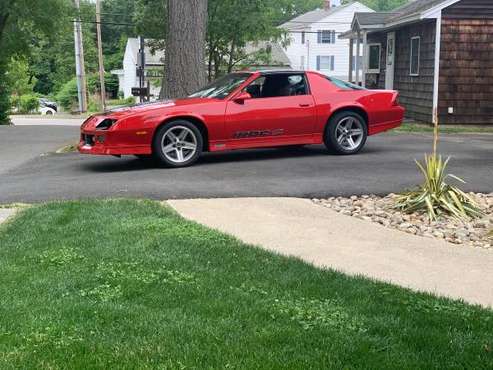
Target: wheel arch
(354, 109)
(199, 123)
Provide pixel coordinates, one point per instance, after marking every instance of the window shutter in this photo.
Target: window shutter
(318, 62)
(333, 37)
(319, 37)
(332, 62)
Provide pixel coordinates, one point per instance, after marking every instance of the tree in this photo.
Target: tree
(185, 47)
(20, 21)
(20, 80)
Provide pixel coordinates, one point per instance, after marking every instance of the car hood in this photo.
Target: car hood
(119, 113)
(160, 106)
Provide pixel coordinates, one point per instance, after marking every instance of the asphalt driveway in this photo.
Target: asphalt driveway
(386, 165)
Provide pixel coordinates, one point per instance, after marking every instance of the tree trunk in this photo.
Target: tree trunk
(185, 48)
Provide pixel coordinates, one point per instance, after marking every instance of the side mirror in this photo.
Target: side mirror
(240, 99)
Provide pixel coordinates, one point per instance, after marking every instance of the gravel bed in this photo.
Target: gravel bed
(379, 210)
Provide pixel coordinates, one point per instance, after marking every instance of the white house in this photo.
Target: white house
(127, 77)
(313, 38)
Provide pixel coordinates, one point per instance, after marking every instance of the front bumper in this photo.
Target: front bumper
(105, 143)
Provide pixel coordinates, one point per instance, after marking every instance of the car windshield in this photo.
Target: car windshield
(344, 85)
(222, 87)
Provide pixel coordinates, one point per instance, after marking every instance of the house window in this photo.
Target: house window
(373, 62)
(326, 37)
(303, 37)
(415, 56)
(325, 63)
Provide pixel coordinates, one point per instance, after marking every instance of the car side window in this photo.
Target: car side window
(278, 85)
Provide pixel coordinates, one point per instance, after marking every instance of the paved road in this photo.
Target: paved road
(21, 144)
(386, 165)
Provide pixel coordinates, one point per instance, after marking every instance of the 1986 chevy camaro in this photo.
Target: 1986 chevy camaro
(246, 110)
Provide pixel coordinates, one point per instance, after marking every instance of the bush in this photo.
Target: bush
(14, 102)
(28, 103)
(110, 84)
(4, 93)
(435, 196)
(117, 102)
(68, 95)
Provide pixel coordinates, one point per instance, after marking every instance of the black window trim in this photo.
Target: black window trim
(269, 73)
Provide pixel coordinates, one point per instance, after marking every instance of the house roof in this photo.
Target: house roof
(407, 12)
(304, 20)
(369, 19)
(414, 8)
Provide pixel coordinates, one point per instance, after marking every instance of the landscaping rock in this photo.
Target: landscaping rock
(380, 210)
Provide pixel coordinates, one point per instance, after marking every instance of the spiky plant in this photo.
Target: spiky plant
(435, 196)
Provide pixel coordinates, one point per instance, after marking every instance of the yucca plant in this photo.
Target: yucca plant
(435, 196)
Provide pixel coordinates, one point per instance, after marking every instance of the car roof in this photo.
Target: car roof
(279, 71)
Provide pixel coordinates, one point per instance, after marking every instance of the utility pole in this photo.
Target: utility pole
(100, 55)
(79, 61)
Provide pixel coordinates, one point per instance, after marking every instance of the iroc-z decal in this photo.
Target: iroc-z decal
(258, 133)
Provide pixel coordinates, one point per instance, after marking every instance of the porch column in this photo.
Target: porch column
(351, 53)
(358, 65)
(365, 57)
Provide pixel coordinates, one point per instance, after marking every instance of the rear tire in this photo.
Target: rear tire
(178, 144)
(346, 133)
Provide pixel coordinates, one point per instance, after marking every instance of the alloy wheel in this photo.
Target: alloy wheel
(349, 133)
(179, 144)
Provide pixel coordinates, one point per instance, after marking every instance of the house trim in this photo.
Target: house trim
(436, 11)
(411, 56)
(436, 77)
(379, 57)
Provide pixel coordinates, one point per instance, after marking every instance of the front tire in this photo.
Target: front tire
(178, 144)
(346, 133)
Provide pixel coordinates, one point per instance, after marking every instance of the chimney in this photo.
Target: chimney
(327, 5)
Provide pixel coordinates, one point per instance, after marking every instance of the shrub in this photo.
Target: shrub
(14, 102)
(435, 196)
(28, 103)
(68, 95)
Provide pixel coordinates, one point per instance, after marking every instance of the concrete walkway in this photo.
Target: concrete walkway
(6, 213)
(300, 228)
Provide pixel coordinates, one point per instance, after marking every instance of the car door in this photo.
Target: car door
(281, 111)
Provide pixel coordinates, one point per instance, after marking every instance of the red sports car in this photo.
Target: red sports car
(246, 110)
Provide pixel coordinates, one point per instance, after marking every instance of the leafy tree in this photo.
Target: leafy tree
(19, 78)
(20, 21)
(52, 60)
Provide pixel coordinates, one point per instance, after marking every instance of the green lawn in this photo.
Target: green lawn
(413, 127)
(129, 284)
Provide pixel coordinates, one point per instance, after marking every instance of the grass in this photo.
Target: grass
(129, 284)
(70, 148)
(412, 127)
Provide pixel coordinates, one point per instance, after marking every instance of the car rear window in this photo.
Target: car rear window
(344, 85)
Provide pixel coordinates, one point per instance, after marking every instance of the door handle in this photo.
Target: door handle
(304, 105)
